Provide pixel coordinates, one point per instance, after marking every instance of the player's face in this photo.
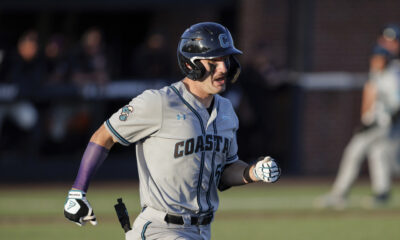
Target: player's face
(216, 74)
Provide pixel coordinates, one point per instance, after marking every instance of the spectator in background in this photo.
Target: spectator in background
(57, 66)
(61, 110)
(27, 72)
(27, 69)
(88, 70)
(89, 64)
(152, 59)
(378, 139)
(260, 90)
(4, 59)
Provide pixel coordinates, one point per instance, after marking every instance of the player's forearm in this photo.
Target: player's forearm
(92, 159)
(233, 174)
(368, 98)
(96, 152)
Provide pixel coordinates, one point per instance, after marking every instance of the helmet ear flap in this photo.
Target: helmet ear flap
(234, 69)
(196, 70)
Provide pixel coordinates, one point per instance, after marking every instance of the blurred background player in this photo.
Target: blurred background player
(90, 64)
(152, 59)
(377, 139)
(55, 53)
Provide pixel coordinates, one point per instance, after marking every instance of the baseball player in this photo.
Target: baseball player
(186, 148)
(378, 139)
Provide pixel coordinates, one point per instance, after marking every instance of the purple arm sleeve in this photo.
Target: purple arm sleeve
(92, 159)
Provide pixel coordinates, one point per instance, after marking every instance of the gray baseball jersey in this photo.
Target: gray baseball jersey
(388, 96)
(181, 149)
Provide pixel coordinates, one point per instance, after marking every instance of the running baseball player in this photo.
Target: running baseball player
(378, 139)
(186, 148)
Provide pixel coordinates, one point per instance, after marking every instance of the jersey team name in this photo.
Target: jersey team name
(202, 143)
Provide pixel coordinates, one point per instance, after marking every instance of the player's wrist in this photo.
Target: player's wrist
(248, 175)
(76, 194)
(77, 208)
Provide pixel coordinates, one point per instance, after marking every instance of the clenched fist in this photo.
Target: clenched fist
(77, 209)
(267, 170)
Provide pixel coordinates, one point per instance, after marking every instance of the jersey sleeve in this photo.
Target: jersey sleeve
(140, 118)
(233, 149)
(232, 156)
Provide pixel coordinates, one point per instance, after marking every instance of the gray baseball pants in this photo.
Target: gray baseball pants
(150, 224)
(375, 145)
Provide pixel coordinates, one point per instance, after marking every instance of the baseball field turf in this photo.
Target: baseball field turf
(276, 211)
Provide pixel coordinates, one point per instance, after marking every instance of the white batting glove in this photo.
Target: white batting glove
(77, 209)
(267, 170)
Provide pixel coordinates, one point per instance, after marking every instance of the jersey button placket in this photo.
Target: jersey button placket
(207, 172)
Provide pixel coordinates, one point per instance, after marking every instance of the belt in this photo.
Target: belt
(195, 220)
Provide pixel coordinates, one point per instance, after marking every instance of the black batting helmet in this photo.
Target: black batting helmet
(206, 40)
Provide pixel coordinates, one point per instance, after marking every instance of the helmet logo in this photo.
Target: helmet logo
(224, 40)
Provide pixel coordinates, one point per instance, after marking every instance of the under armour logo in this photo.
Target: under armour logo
(225, 117)
(180, 116)
(71, 204)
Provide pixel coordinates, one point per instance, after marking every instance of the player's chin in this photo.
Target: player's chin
(219, 89)
(219, 84)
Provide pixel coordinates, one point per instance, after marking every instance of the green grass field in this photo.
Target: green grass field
(261, 211)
